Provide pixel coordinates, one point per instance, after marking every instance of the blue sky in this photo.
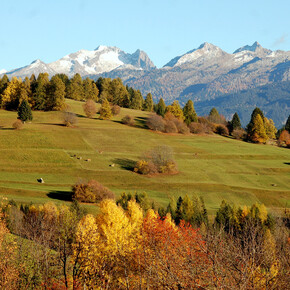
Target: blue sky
(48, 30)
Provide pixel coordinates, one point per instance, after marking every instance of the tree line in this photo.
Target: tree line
(42, 93)
(132, 244)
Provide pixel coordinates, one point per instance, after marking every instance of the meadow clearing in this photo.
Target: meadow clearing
(211, 166)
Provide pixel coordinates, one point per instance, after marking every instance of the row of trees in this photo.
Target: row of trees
(129, 245)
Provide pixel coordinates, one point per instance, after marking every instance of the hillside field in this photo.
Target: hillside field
(213, 167)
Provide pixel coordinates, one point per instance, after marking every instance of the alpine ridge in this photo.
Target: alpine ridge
(202, 74)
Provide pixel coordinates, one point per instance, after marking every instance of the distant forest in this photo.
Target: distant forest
(273, 99)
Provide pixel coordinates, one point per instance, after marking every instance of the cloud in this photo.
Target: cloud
(280, 40)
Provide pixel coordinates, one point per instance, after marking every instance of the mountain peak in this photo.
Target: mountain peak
(254, 48)
(37, 61)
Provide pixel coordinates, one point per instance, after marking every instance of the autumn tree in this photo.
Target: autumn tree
(24, 112)
(189, 112)
(55, 94)
(176, 111)
(270, 128)
(136, 100)
(148, 103)
(214, 116)
(257, 133)
(90, 90)
(90, 108)
(40, 91)
(105, 110)
(161, 108)
(75, 89)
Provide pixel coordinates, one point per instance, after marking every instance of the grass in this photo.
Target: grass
(214, 167)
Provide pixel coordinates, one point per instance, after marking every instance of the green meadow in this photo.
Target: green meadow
(213, 167)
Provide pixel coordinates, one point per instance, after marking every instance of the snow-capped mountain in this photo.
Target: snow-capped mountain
(205, 51)
(85, 62)
(3, 71)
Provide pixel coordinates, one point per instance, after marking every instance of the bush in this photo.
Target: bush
(145, 167)
(239, 134)
(155, 122)
(201, 128)
(170, 127)
(284, 139)
(90, 108)
(128, 120)
(181, 127)
(116, 110)
(222, 130)
(69, 119)
(162, 159)
(17, 124)
(91, 191)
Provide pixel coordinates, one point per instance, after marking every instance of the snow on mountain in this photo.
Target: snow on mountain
(102, 59)
(204, 51)
(85, 62)
(3, 71)
(255, 48)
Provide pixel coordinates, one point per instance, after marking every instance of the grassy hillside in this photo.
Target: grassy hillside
(211, 166)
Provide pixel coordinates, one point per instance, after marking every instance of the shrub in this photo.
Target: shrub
(239, 134)
(181, 127)
(222, 130)
(128, 120)
(145, 167)
(90, 108)
(284, 139)
(116, 110)
(91, 191)
(170, 127)
(155, 122)
(17, 124)
(69, 119)
(201, 128)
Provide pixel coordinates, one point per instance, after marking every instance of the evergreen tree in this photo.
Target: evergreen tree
(214, 116)
(270, 128)
(148, 103)
(287, 126)
(4, 81)
(235, 122)
(120, 95)
(256, 111)
(189, 112)
(40, 93)
(105, 110)
(136, 100)
(56, 94)
(176, 111)
(257, 132)
(24, 112)
(90, 90)
(75, 88)
(161, 108)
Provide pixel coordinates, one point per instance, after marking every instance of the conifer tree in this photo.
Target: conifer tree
(4, 81)
(176, 111)
(136, 100)
(75, 88)
(56, 94)
(214, 116)
(161, 108)
(256, 111)
(235, 123)
(148, 103)
(287, 126)
(189, 112)
(24, 112)
(270, 128)
(258, 132)
(105, 110)
(90, 90)
(40, 93)
(10, 96)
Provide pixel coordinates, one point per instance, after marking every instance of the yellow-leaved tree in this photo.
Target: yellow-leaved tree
(104, 245)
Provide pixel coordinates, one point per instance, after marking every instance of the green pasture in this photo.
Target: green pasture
(214, 167)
